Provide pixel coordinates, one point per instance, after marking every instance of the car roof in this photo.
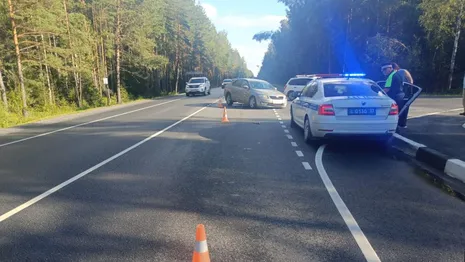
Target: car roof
(202, 77)
(253, 79)
(342, 79)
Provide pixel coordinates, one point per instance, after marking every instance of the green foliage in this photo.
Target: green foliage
(334, 36)
(64, 64)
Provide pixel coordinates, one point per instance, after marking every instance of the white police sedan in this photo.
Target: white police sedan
(342, 106)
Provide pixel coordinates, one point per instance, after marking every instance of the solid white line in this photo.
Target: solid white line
(357, 233)
(307, 166)
(294, 144)
(289, 136)
(83, 124)
(283, 126)
(86, 172)
(436, 113)
(286, 131)
(299, 153)
(281, 122)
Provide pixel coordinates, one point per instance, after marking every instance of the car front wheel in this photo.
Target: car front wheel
(253, 102)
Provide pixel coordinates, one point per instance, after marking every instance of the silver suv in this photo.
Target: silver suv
(255, 93)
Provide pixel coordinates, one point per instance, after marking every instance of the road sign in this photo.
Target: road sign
(105, 80)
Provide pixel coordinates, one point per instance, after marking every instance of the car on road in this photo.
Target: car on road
(344, 107)
(198, 85)
(255, 93)
(295, 85)
(225, 82)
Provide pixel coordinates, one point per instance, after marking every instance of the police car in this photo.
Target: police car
(344, 105)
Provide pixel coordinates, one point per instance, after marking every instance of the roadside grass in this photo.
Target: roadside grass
(13, 117)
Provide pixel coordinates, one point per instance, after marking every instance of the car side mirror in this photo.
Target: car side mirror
(246, 87)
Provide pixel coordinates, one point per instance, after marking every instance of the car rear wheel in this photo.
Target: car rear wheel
(229, 100)
(293, 124)
(308, 136)
(252, 102)
(187, 94)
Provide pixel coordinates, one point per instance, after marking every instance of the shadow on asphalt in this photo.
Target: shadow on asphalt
(229, 176)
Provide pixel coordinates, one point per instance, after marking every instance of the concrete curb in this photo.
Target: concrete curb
(452, 167)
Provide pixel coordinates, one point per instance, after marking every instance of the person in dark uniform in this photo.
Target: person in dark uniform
(393, 88)
(406, 78)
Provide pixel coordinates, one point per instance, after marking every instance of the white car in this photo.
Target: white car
(339, 107)
(198, 85)
(295, 85)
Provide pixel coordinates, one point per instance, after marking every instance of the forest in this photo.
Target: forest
(335, 36)
(55, 54)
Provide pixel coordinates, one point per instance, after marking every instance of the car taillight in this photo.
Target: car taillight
(394, 110)
(326, 110)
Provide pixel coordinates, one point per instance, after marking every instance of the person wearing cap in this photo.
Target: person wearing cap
(406, 78)
(393, 88)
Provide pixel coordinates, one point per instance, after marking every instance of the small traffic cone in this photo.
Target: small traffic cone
(220, 103)
(225, 116)
(201, 248)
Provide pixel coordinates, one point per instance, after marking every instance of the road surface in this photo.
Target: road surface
(133, 183)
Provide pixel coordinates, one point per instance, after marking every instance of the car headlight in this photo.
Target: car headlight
(263, 96)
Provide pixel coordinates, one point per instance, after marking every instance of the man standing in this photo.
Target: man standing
(463, 98)
(406, 78)
(393, 88)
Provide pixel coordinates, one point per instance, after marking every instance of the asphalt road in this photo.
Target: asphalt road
(143, 176)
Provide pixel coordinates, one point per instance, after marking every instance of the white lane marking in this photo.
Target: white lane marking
(283, 126)
(281, 122)
(307, 166)
(436, 113)
(289, 136)
(294, 144)
(286, 131)
(299, 153)
(357, 233)
(279, 118)
(86, 123)
(86, 172)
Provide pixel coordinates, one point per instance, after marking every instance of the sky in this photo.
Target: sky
(241, 19)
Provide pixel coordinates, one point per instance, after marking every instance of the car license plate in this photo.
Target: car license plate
(359, 111)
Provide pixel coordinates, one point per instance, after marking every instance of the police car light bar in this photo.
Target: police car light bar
(340, 75)
(302, 76)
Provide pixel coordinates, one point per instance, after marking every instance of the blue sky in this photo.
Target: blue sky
(242, 19)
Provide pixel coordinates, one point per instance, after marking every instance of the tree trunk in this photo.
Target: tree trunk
(18, 59)
(458, 28)
(118, 50)
(75, 74)
(47, 73)
(3, 91)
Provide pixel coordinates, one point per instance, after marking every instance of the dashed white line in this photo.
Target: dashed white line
(86, 123)
(286, 131)
(281, 122)
(299, 153)
(283, 126)
(307, 166)
(279, 118)
(294, 144)
(86, 172)
(289, 136)
(357, 233)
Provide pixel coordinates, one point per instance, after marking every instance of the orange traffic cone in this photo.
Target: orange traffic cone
(225, 116)
(201, 248)
(220, 103)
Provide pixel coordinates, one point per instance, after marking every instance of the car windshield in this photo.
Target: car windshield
(352, 89)
(260, 85)
(197, 81)
(299, 81)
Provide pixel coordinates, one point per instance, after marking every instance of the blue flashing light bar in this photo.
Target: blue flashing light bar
(354, 75)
